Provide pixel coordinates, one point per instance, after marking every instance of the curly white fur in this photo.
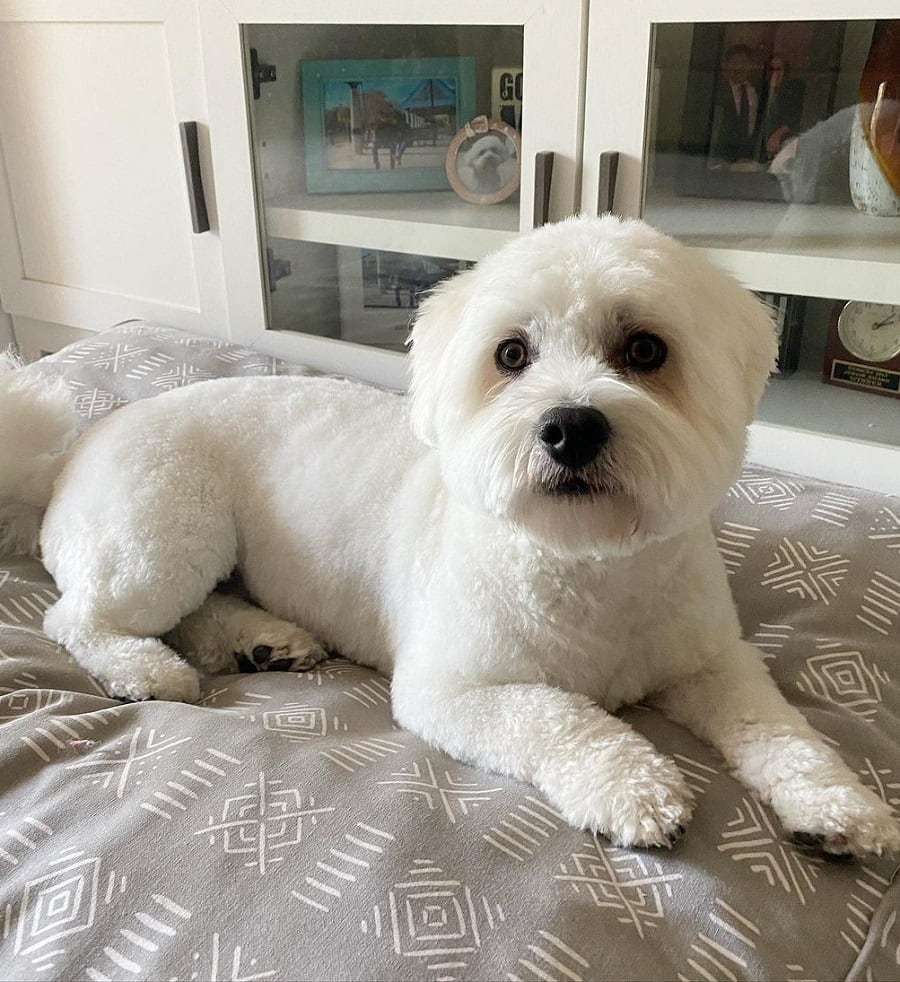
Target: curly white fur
(37, 426)
(513, 619)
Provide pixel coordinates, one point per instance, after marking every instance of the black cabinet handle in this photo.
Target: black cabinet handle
(190, 150)
(609, 168)
(543, 176)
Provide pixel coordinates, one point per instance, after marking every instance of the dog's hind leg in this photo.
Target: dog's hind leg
(126, 581)
(227, 634)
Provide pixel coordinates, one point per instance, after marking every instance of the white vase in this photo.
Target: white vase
(869, 188)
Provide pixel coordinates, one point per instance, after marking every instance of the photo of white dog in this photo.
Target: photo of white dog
(523, 543)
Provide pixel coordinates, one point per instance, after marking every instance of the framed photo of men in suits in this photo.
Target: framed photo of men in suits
(752, 87)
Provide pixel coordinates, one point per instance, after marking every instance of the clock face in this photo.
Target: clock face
(870, 331)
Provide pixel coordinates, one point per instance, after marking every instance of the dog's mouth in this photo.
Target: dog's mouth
(573, 486)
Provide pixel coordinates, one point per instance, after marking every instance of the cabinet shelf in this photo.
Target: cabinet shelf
(824, 250)
(432, 223)
(805, 402)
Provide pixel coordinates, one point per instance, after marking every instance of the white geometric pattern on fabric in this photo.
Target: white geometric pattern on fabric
(324, 909)
(631, 882)
(876, 778)
(439, 789)
(264, 822)
(812, 573)
(552, 953)
(515, 835)
(886, 527)
(359, 851)
(768, 490)
(843, 677)
(434, 919)
(881, 604)
(298, 722)
(836, 508)
(751, 838)
(734, 541)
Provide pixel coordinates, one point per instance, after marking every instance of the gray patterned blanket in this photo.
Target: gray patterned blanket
(285, 828)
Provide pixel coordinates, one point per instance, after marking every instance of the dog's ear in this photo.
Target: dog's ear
(759, 353)
(436, 323)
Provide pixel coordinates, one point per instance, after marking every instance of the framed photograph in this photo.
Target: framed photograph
(752, 87)
(506, 96)
(483, 161)
(380, 292)
(383, 124)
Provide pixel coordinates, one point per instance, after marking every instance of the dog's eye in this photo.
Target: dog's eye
(512, 355)
(645, 352)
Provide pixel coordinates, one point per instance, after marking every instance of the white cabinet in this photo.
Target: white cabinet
(329, 207)
(95, 224)
(780, 219)
(351, 228)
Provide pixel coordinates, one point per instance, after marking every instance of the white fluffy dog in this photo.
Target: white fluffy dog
(523, 544)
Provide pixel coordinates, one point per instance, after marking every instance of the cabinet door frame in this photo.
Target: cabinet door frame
(619, 82)
(554, 45)
(89, 308)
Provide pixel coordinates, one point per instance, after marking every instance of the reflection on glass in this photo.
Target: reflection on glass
(766, 112)
(367, 296)
(352, 129)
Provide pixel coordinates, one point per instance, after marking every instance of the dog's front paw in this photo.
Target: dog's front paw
(645, 802)
(839, 820)
(281, 648)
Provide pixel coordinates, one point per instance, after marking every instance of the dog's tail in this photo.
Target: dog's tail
(37, 426)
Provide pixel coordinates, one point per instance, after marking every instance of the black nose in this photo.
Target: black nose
(573, 435)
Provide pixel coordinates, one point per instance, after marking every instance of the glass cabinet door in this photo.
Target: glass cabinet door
(772, 146)
(386, 156)
(755, 139)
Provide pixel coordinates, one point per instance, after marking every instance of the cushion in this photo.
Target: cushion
(286, 828)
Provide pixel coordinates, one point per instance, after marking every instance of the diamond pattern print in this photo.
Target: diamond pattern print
(812, 573)
(216, 863)
(766, 490)
(845, 678)
(634, 885)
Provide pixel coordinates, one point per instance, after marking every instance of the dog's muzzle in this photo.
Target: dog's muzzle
(573, 436)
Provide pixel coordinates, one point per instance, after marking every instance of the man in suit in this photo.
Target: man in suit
(736, 108)
(781, 109)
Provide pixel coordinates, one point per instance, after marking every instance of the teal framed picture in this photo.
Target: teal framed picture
(383, 124)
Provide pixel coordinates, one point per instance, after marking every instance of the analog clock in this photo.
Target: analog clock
(863, 347)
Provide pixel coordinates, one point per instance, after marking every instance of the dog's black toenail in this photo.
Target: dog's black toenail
(281, 665)
(808, 840)
(262, 653)
(244, 663)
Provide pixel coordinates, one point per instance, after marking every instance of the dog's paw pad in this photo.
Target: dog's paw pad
(832, 847)
(808, 841)
(294, 652)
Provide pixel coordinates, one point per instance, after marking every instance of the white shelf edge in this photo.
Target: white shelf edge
(873, 466)
(394, 235)
(810, 276)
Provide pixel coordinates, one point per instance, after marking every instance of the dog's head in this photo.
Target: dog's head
(591, 383)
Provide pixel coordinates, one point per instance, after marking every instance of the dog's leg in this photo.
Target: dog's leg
(737, 708)
(130, 665)
(227, 634)
(126, 583)
(594, 768)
